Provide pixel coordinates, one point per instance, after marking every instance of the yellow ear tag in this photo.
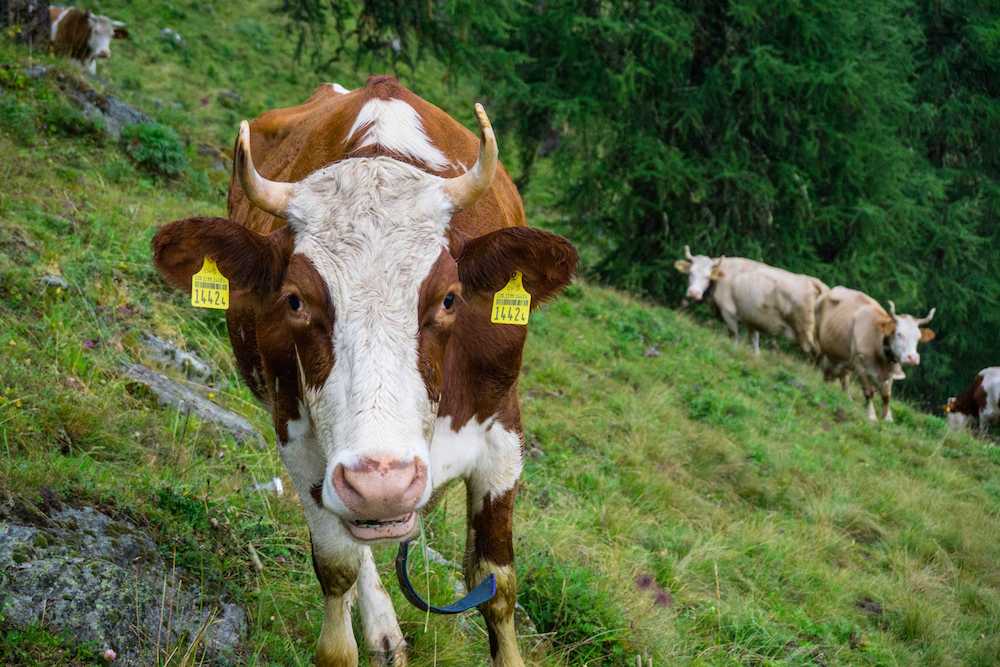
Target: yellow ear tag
(512, 304)
(209, 288)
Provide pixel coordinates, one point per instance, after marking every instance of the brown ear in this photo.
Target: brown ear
(547, 262)
(887, 326)
(121, 32)
(927, 335)
(250, 261)
(683, 266)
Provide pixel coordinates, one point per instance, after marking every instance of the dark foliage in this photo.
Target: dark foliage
(857, 141)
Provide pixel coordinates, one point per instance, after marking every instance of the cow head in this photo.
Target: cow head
(701, 272)
(358, 306)
(903, 332)
(102, 31)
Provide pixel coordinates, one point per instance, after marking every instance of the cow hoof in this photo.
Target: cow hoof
(394, 658)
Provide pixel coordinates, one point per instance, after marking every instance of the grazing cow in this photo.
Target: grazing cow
(82, 36)
(856, 334)
(758, 296)
(979, 403)
(364, 275)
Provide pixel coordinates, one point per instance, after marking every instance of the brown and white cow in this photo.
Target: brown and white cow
(756, 295)
(82, 36)
(365, 261)
(979, 403)
(856, 334)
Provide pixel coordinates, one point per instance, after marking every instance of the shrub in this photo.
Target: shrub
(155, 147)
(17, 119)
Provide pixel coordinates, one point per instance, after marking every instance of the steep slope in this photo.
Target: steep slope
(681, 500)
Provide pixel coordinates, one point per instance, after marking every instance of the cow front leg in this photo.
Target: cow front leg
(491, 486)
(337, 573)
(756, 342)
(885, 389)
(490, 550)
(383, 636)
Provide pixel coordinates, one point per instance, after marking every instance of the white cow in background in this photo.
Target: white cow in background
(756, 295)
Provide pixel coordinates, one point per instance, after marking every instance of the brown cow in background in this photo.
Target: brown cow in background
(82, 36)
(856, 334)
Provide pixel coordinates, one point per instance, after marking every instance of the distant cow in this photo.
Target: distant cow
(856, 334)
(758, 296)
(82, 36)
(979, 403)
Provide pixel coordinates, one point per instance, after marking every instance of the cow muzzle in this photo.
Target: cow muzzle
(911, 360)
(103, 54)
(382, 494)
(694, 294)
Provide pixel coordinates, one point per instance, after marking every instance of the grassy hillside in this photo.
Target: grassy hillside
(699, 507)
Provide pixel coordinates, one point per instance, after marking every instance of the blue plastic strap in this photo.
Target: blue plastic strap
(481, 594)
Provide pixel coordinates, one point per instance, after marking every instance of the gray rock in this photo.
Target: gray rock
(102, 580)
(183, 398)
(52, 280)
(172, 35)
(113, 113)
(169, 354)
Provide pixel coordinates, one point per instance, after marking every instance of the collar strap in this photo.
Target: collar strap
(481, 594)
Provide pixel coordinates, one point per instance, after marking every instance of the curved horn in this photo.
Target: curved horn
(464, 190)
(267, 195)
(892, 309)
(930, 316)
(687, 253)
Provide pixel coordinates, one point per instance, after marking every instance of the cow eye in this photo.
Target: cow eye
(294, 302)
(449, 301)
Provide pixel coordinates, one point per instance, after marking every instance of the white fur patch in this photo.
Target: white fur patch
(372, 228)
(337, 88)
(485, 453)
(378, 618)
(396, 126)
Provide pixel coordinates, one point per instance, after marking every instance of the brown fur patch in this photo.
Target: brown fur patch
(972, 401)
(73, 34)
(494, 529)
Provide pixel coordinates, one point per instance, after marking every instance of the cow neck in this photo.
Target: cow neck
(887, 352)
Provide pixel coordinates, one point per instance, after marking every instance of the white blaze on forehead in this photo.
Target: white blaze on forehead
(905, 338)
(373, 228)
(101, 32)
(396, 125)
(700, 275)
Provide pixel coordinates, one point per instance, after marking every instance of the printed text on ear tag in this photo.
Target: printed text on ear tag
(512, 304)
(209, 288)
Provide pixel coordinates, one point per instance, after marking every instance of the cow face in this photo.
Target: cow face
(701, 270)
(904, 332)
(354, 305)
(102, 31)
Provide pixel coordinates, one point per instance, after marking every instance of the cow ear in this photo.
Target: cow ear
(121, 32)
(683, 266)
(887, 326)
(546, 262)
(927, 335)
(717, 273)
(249, 260)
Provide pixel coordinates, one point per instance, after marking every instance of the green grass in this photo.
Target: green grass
(702, 507)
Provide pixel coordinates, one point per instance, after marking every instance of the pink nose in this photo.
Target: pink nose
(912, 360)
(381, 488)
(694, 294)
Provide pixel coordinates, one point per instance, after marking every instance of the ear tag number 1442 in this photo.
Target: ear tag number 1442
(209, 288)
(512, 304)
